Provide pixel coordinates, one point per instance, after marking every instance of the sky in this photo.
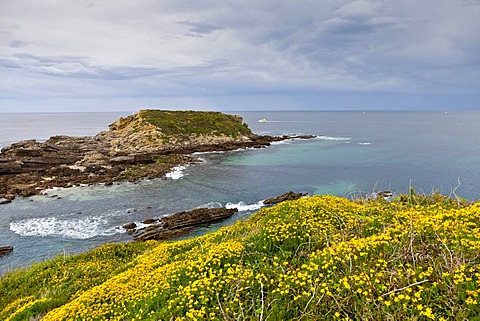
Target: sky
(124, 55)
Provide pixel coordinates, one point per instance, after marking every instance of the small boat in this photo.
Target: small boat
(263, 120)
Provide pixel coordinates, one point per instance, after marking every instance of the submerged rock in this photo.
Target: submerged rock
(289, 196)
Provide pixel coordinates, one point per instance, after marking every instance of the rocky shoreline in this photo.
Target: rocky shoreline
(127, 152)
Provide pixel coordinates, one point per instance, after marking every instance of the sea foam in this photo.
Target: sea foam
(79, 228)
(242, 207)
(333, 138)
(211, 205)
(176, 173)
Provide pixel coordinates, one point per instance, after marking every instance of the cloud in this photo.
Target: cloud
(146, 48)
(200, 28)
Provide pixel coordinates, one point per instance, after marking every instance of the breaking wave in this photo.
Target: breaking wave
(242, 207)
(176, 173)
(211, 205)
(333, 138)
(79, 228)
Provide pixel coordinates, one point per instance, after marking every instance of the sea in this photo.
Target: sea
(354, 154)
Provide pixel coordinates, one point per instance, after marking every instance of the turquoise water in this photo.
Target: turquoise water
(358, 153)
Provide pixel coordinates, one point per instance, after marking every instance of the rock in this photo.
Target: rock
(25, 190)
(4, 200)
(149, 221)
(92, 158)
(196, 216)
(123, 160)
(182, 223)
(131, 231)
(130, 226)
(163, 234)
(385, 194)
(108, 183)
(289, 196)
(304, 137)
(4, 250)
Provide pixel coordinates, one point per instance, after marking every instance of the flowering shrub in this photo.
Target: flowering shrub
(321, 257)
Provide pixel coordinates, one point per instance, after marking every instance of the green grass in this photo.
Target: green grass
(317, 258)
(65, 277)
(182, 124)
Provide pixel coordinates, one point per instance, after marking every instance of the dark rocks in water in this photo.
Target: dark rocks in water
(289, 196)
(4, 250)
(5, 201)
(131, 231)
(385, 194)
(305, 137)
(196, 216)
(284, 137)
(149, 221)
(130, 226)
(109, 183)
(182, 223)
(163, 234)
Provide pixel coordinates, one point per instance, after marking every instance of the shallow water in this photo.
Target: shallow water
(358, 152)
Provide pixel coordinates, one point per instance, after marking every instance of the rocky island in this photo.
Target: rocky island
(144, 145)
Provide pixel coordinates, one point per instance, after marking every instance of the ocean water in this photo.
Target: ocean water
(354, 153)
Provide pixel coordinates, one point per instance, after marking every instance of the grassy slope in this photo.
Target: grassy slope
(315, 258)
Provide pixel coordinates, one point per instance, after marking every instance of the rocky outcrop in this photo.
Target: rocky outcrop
(4, 200)
(32, 156)
(4, 250)
(181, 223)
(289, 196)
(146, 145)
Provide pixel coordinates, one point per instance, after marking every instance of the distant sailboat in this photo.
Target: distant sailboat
(263, 120)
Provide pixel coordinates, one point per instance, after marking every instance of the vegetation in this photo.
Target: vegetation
(183, 124)
(50, 284)
(321, 257)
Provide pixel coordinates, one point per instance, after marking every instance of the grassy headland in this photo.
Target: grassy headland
(320, 257)
(153, 128)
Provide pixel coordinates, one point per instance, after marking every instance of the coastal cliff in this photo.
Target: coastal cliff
(144, 145)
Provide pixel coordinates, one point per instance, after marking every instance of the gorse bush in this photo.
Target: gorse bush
(320, 257)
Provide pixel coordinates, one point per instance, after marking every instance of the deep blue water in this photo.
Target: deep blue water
(359, 153)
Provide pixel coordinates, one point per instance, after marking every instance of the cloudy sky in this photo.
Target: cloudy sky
(122, 55)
